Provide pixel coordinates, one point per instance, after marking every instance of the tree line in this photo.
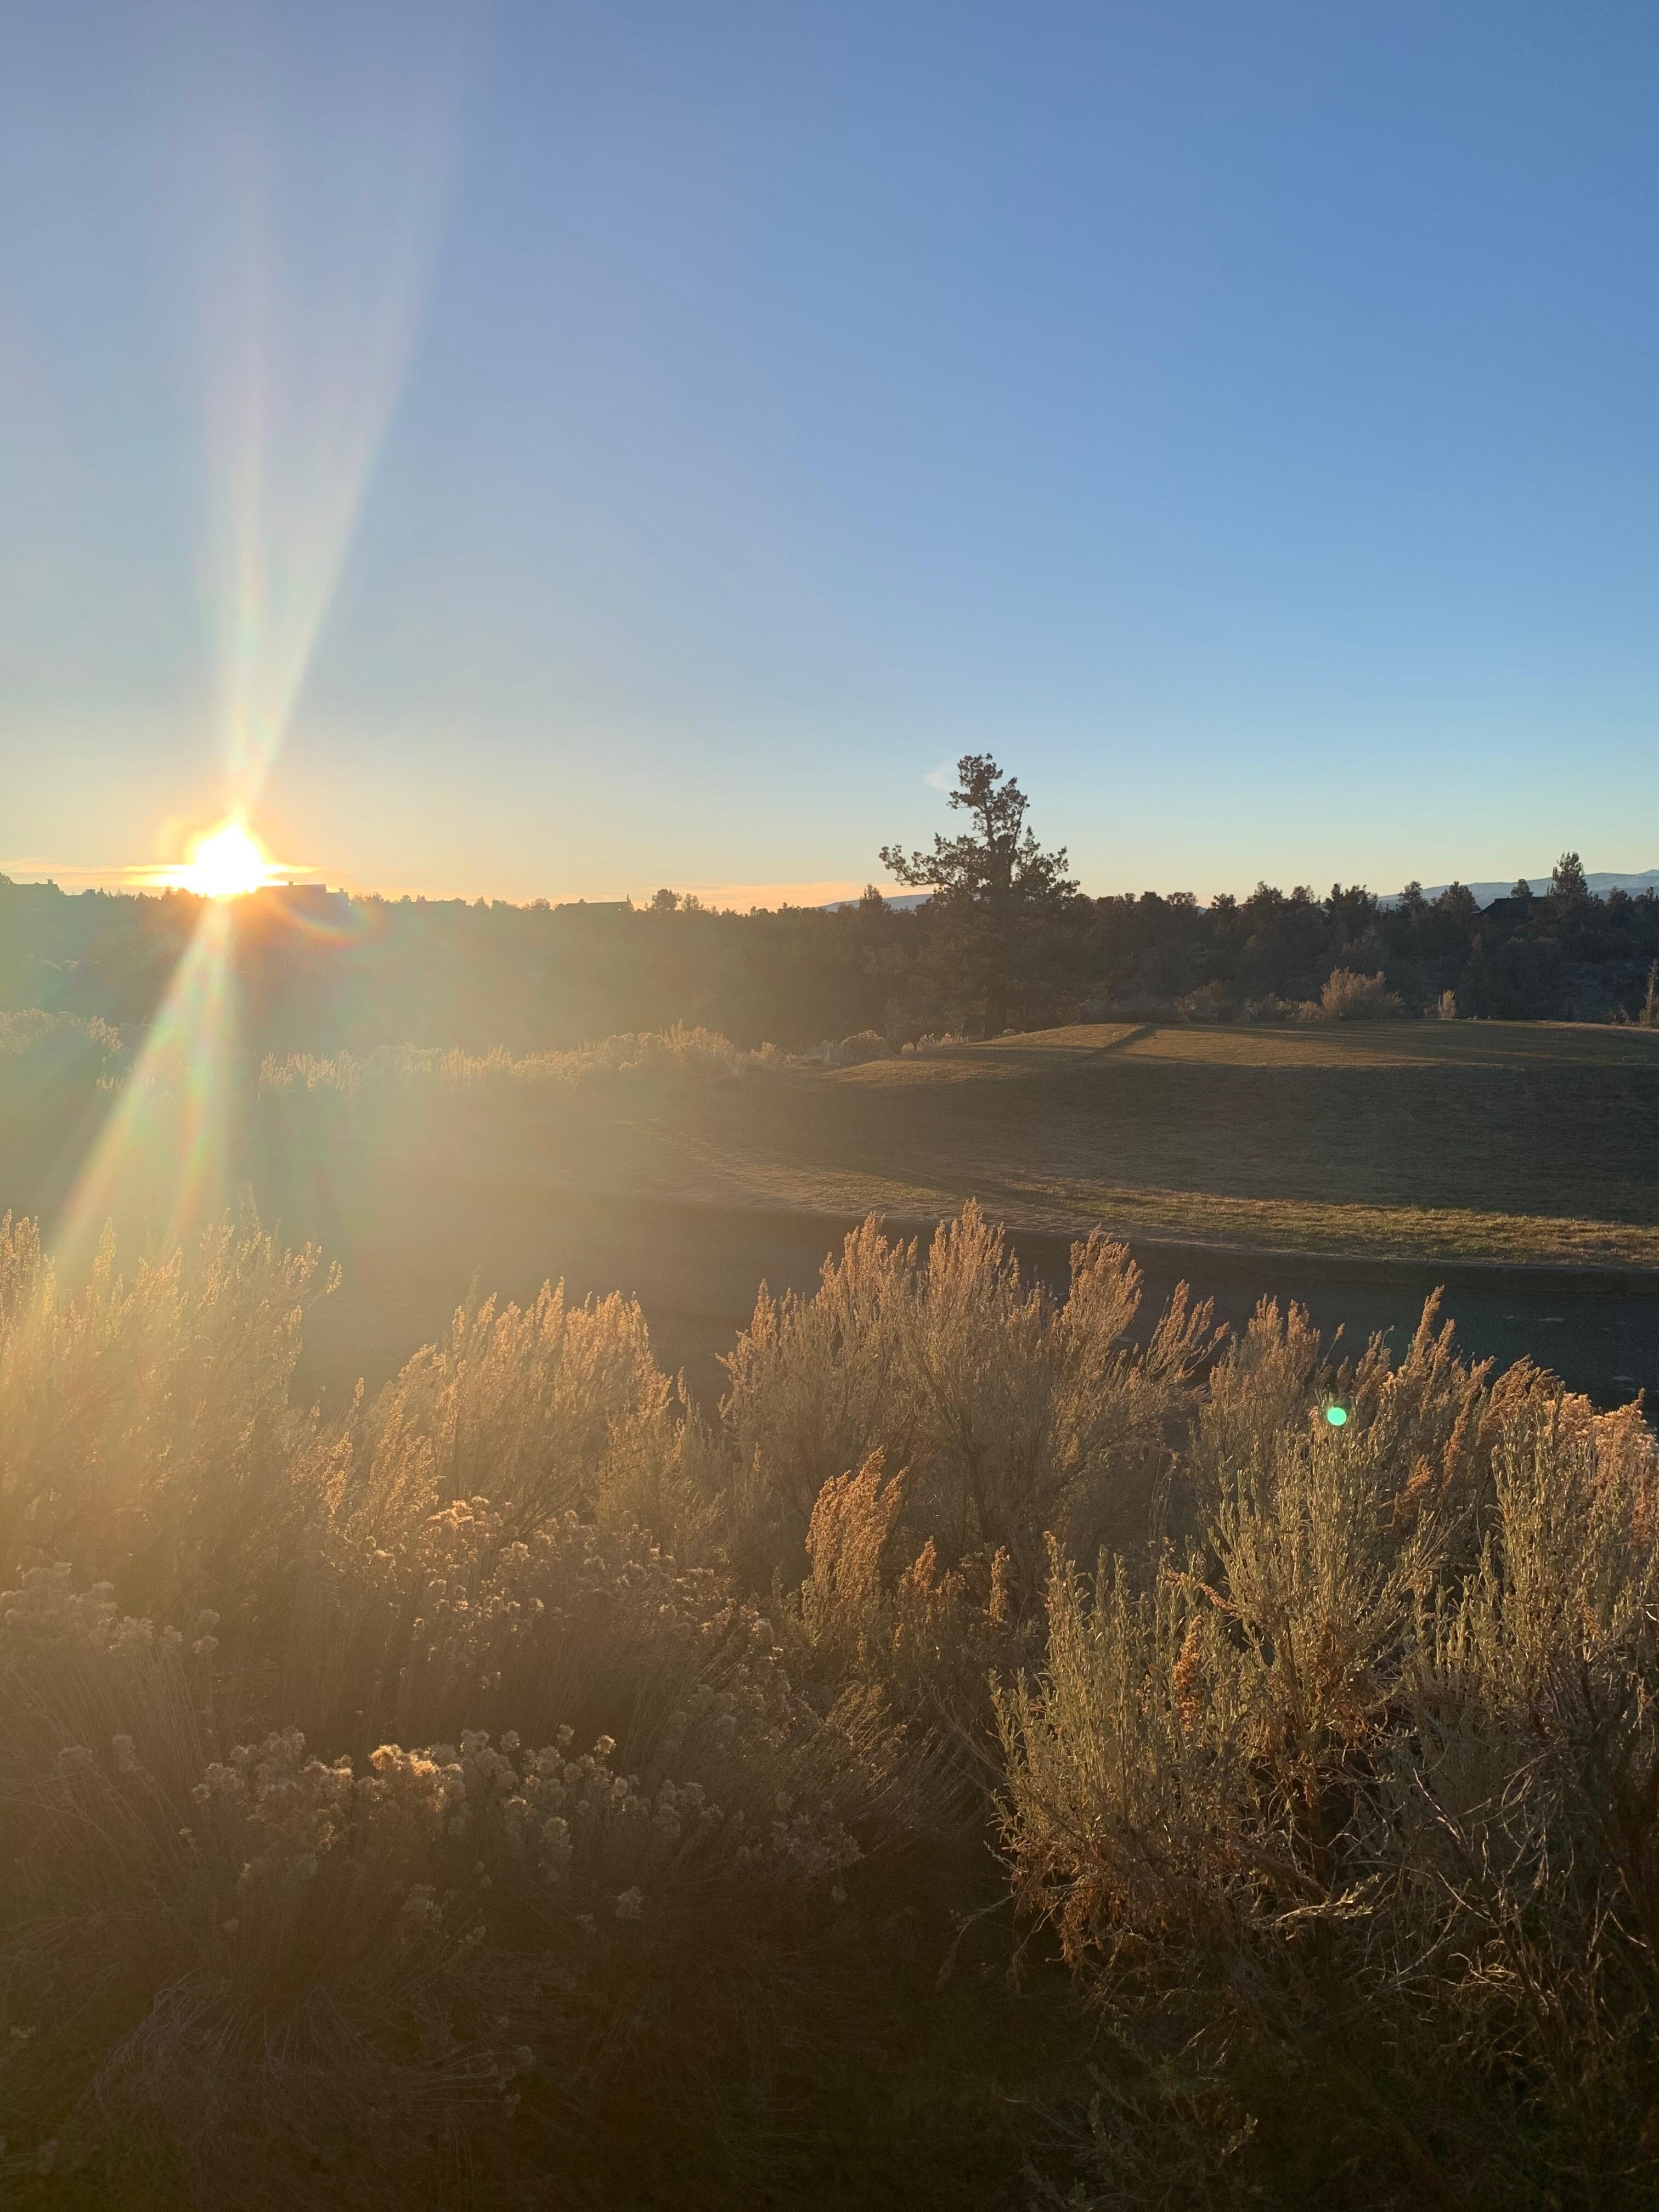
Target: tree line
(1006, 939)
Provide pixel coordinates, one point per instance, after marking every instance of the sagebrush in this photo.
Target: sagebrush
(519, 1781)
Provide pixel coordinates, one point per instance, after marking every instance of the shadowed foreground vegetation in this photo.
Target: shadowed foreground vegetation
(985, 1764)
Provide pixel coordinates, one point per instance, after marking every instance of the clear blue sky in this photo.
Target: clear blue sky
(573, 448)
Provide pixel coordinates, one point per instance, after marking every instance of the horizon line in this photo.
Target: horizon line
(146, 880)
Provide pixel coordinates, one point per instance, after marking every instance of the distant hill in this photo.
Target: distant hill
(1601, 884)
(903, 902)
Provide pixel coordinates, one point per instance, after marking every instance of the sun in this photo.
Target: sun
(225, 863)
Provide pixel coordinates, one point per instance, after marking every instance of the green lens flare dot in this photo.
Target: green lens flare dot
(1337, 1416)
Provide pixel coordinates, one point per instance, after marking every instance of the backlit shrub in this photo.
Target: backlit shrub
(1349, 1801)
(145, 1425)
(538, 1781)
(1008, 1412)
(1350, 997)
(676, 1054)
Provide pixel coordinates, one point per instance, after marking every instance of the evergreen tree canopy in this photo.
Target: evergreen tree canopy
(995, 883)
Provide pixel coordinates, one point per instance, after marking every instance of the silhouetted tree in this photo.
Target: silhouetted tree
(1353, 910)
(1567, 886)
(1005, 941)
(995, 889)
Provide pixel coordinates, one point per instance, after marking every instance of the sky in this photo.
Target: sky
(559, 450)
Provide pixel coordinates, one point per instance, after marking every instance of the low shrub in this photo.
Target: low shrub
(237, 1973)
(1009, 1413)
(677, 1054)
(1344, 1813)
(1348, 997)
(851, 1052)
(45, 1046)
(655, 1759)
(1271, 1008)
(145, 1425)
(1209, 1003)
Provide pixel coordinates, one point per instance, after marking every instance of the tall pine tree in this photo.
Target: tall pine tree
(998, 895)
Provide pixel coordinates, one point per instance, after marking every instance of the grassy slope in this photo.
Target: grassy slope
(1497, 1140)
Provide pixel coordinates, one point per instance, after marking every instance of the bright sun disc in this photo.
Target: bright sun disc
(225, 864)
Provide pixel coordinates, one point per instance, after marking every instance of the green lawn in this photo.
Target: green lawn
(1500, 1140)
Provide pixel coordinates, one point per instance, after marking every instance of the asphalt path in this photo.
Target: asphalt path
(1603, 1342)
(410, 1260)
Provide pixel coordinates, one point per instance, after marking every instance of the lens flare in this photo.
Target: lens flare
(160, 1162)
(1337, 1416)
(308, 265)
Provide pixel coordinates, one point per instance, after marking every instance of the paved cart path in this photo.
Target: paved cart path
(696, 1269)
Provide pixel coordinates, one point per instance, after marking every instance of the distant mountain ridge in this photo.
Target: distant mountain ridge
(901, 902)
(1599, 883)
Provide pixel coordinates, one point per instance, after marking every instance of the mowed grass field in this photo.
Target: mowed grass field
(1514, 1141)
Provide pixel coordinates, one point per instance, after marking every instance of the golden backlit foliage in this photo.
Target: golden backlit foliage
(145, 1422)
(680, 1056)
(518, 1776)
(1351, 1800)
(1012, 1413)
(682, 1053)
